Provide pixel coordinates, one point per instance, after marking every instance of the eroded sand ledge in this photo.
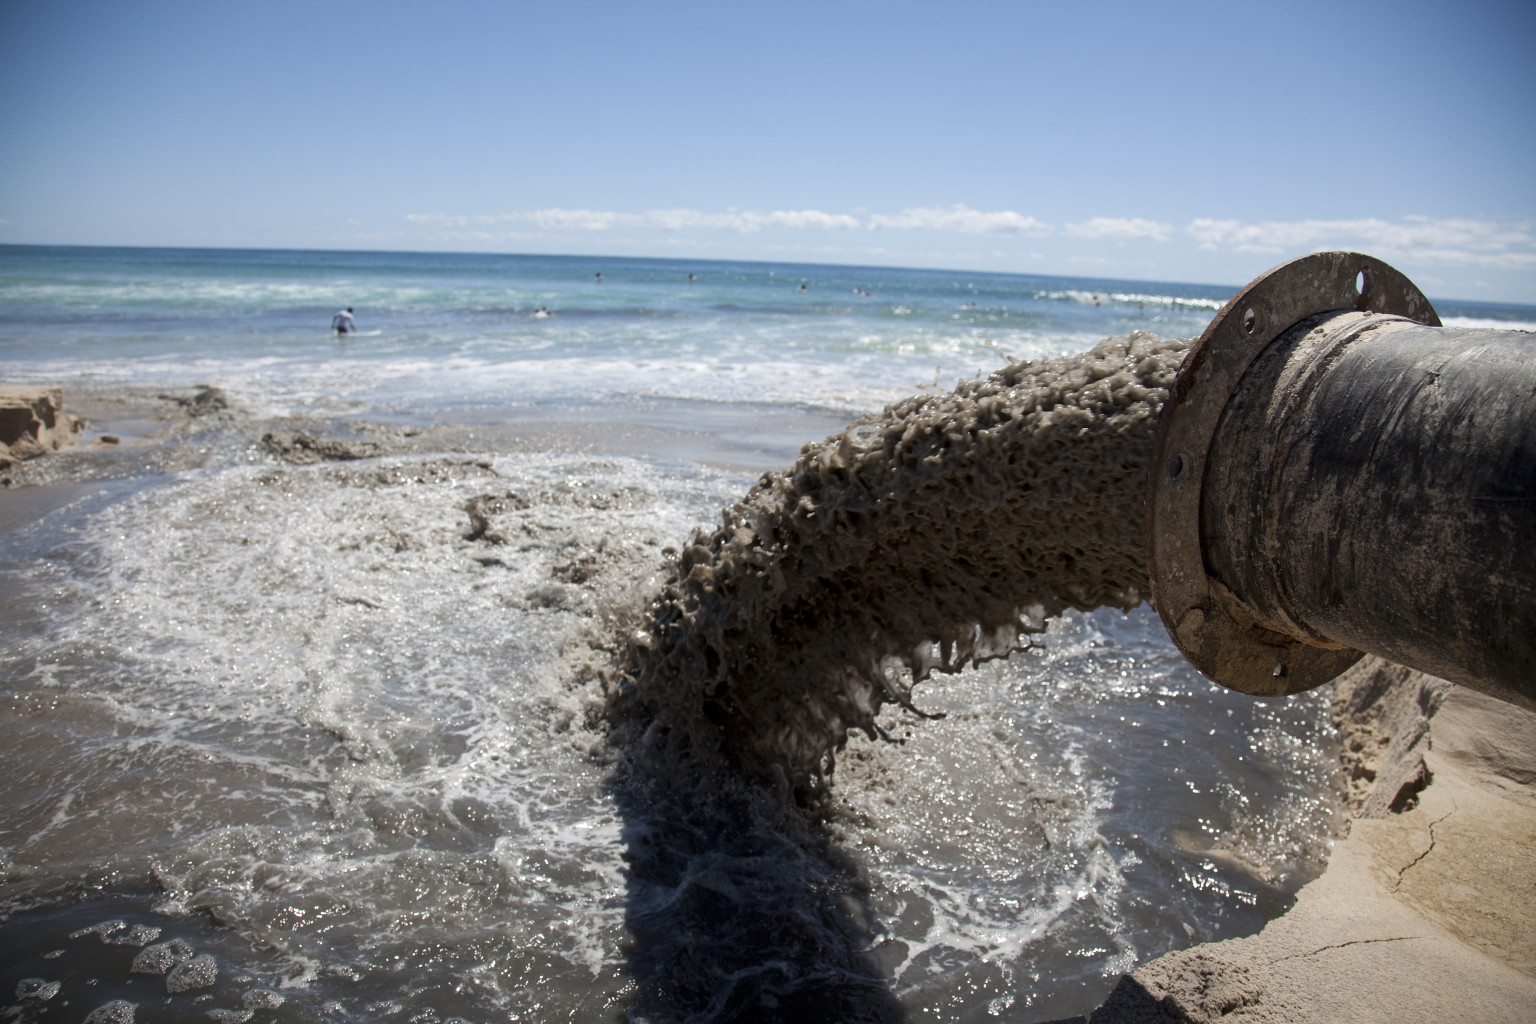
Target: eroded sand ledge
(33, 422)
(1426, 910)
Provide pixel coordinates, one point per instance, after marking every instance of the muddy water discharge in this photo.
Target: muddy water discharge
(928, 538)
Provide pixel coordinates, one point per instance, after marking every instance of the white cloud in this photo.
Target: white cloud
(749, 221)
(810, 219)
(960, 218)
(557, 219)
(952, 218)
(1122, 229)
(570, 220)
(1444, 241)
(1422, 241)
(1462, 258)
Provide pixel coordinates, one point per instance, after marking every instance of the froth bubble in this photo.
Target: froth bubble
(262, 999)
(161, 958)
(36, 988)
(198, 972)
(118, 1011)
(138, 935)
(102, 929)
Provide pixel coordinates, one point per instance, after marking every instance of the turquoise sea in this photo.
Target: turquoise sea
(445, 334)
(455, 333)
(295, 716)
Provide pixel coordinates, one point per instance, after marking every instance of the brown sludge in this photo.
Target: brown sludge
(927, 538)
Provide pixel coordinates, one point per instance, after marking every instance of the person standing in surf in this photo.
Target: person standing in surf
(342, 323)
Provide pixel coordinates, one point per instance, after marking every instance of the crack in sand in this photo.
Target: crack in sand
(1428, 850)
(1341, 945)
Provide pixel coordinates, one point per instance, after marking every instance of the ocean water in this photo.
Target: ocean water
(304, 736)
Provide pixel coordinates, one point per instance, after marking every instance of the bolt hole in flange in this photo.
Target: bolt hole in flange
(1253, 321)
(1178, 467)
(1362, 284)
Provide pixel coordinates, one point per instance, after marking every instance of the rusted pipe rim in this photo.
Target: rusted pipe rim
(1200, 615)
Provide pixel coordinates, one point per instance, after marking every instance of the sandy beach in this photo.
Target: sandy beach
(317, 667)
(1433, 877)
(1433, 873)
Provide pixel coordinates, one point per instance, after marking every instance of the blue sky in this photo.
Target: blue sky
(1183, 141)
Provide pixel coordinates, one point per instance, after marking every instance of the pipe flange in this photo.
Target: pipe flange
(1210, 625)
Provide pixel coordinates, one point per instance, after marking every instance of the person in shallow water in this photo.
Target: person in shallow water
(342, 323)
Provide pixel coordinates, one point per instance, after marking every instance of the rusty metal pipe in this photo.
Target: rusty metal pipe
(1338, 474)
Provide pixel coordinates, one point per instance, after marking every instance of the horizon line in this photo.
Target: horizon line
(674, 259)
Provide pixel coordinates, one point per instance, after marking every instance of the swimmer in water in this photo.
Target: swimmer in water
(342, 323)
(541, 313)
(599, 275)
(693, 277)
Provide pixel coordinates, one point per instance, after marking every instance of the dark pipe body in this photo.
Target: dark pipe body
(1336, 475)
(1372, 485)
